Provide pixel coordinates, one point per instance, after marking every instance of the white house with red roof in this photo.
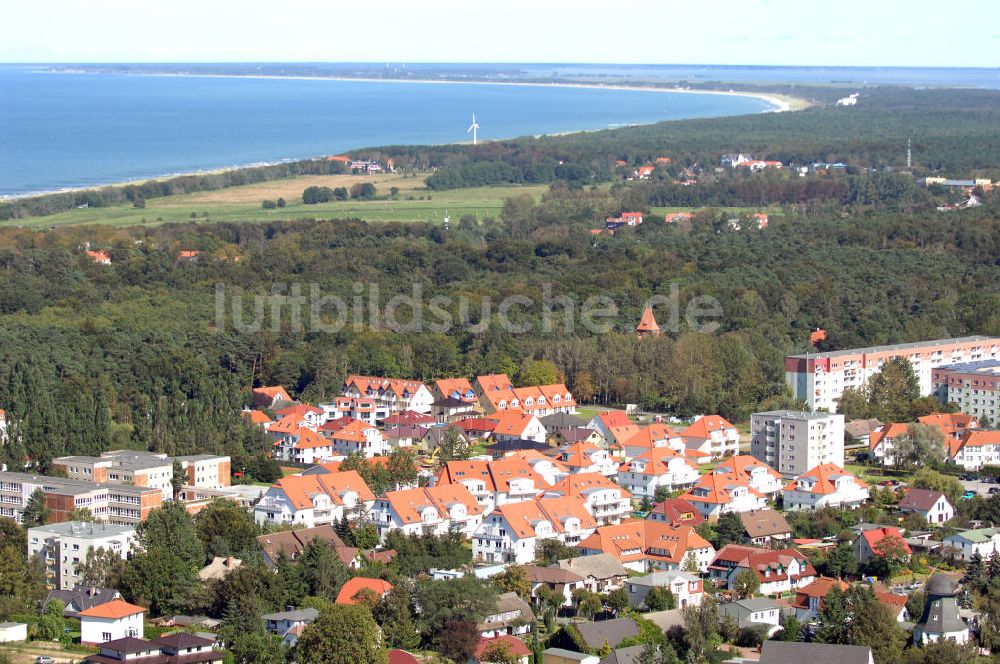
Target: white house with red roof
(606, 501)
(510, 533)
(304, 415)
(314, 500)
(538, 400)
(513, 648)
(433, 510)
(655, 468)
(357, 438)
(880, 541)
(588, 458)
(351, 591)
(716, 494)
(270, 396)
(779, 571)
(651, 437)
(299, 445)
(110, 621)
(551, 470)
(614, 426)
(677, 512)
(518, 425)
(393, 394)
(760, 476)
(365, 409)
(976, 448)
(454, 388)
(494, 483)
(826, 485)
(713, 435)
(809, 599)
(645, 546)
(881, 442)
(624, 219)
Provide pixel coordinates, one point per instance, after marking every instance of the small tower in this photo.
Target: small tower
(941, 620)
(647, 326)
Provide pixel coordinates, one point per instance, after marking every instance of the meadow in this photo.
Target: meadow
(412, 202)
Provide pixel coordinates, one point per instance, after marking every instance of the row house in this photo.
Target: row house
(716, 494)
(779, 571)
(393, 394)
(365, 409)
(454, 388)
(758, 475)
(539, 400)
(113, 503)
(432, 510)
(510, 533)
(646, 546)
(605, 500)
(517, 425)
(588, 458)
(713, 435)
(494, 483)
(656, 468)
(826, 485)
(976, 448)
(314, 500)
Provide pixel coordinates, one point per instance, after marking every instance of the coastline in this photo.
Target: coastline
(781, 104)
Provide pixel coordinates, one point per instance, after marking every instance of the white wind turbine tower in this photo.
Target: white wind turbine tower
(474, 128)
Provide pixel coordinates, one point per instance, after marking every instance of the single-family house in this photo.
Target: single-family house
(884, 541)
(882, 442)
(779, 571)
(518, 425)
(676, 511)
(753, 612)
(601, 573)
(596, 633)
(967, 543)
(826, 485)
(809, 598)
(561, 422)
(512, 648)
(512, 616)
(651, 437)
(280, 622)
(933, 506)
(290, 544)
(614, 426)
(686, 588)
(270, 396)
(793, 652)
(765, 528)
(112, 620)
(351, 592)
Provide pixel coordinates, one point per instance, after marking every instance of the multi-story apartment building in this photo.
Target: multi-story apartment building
(147, 469)
(205, 471)
(820, 379)
(793, 442)
(114, 503)
(62, 547)
(315, 500)
(974, 386)
(391, 394)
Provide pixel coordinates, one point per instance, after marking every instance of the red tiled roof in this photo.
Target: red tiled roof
(704, 426)
(354, 586)
(824, 476)
(515, 646)
(113, 610)
(876, 535)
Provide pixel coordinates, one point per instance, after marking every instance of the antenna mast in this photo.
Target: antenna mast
(909, 153)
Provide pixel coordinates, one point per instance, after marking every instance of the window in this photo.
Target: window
(105, 636)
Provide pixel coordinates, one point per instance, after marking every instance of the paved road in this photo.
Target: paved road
(980, 487)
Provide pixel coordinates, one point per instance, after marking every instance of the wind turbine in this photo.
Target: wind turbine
(474, 128)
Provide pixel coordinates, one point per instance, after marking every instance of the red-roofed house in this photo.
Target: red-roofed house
(826, 485)
(394, 394)
(778, 571)
(655, 468)
(433, 510)
(401, 657)
(614, 426)
(297, 444)
(645, 546)
(714, 435)
(652, 436)
(357, 438)
(257, 417)
(809, 598)
(517, 425)
(718, 493)
(645, 172)
(677, 217)
(349, 591)
(885, 541)
(110, 621)
(512, 647)
(606, 501)
(454, 388)
(314, 500)
(677, 512)
(494, 483)
(896, 604)
(268, 397)
(588, 458)
(510, 533)
(624, 219)
(758, 474)
(952, 425)
(881, 442)
(100, 257)
(647, 326)
(975, 449)
(303, 415)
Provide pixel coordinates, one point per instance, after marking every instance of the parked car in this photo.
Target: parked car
(44, 659)
(969, 494)
(994, 490)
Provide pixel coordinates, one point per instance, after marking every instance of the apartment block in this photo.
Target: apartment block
(62, 547)
(974, 386)
(793, 442)
(113, 503)
(820, 379)
(205, 471)
(141, 469)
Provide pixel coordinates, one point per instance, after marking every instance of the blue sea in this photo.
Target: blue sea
(66, 130)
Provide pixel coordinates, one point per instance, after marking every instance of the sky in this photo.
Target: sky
(961, 33)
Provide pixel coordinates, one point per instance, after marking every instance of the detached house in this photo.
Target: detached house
(765, 527)
(875, 542)
(433, 510)
(933, 506)
(614, 426)
(511, 532)
(606, 501)
(656, 468)
(809, 598)
(826, 485)
(269, 397)
(758, 475)
(966, 544)
(494, 483)
(653, 437)
(882, 442)
(517, 425)
(357, 438)
(304, 415)
(677, 512)
(297, 444)
(645, 546)
(713, 435)
(778, 571)
(716, 494)
(110, 621)
(561, 581)
(687, 589)
(314, 500)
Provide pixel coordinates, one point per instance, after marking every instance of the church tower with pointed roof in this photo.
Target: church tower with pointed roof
(647, 326)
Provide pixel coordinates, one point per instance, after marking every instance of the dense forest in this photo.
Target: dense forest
(135, 354)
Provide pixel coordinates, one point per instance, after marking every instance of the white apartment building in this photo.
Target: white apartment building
(510, 533)
(820, 379)
(793, 442)
(62, 547)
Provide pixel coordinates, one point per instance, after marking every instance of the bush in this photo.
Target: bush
(749, 637)
(314, 194)
(363, 191)
(269, 204)
(281, 202)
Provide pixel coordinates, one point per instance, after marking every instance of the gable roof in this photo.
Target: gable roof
(636, 539)
(459, 388)
(922, 500)
(677, 511)
(113, 610)
(825, 477)
(744, 465)
(886, 431)
(703, 427)
(769, 565)
(409, 503)
(717, 489)
(614, 418)
(601, 566)
(301, 489)
(793, 652)
(494, 382)
(582, 484)
(554, 575)
(513, 423)
(819, 588)
(648, 321)
(651, 436)
(514, 646)
(291, 543)
(654, 462)
(951, 424)
(523, 517)
(614, 631)
(874, 536)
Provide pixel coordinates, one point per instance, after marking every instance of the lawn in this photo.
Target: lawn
(411, 203)
(876, 474)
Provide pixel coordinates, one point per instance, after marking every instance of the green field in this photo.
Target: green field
(244, 204)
